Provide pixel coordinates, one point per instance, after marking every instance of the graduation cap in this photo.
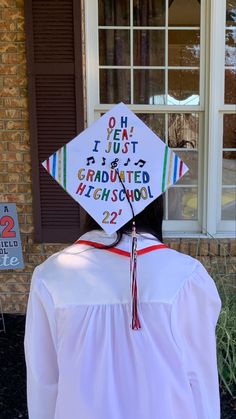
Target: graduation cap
(115, 162)
(114, 169)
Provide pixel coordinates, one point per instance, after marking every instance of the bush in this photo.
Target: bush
(226, 333)
(223, 271)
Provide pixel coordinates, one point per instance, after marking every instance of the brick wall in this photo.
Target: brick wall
(15, 167)
(15, 179)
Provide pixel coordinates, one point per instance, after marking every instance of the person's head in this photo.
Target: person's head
(147, 221)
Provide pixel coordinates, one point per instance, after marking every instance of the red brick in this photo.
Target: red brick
(27, 209)
(16, 102)
(10, 114)
(13, 58)
(10, 157)
(3, 167)
(9, 92)
(8, 47)
(13, 14)
(25, 114)
(3, 146)
(14, 177)
(194, 246)
(11, 187)
(10, 136)
(15, 81)
(8, 36)
(7, 26)
(204, 247)
(14, 287)
(7, 3)
(12, 198)
(19, 167)
(214, 247)
(18, 146)
(26, 228)
(20, 26)
(184, 246)
(27, 178)
(20, 36)
(232, 248)
(15, 277)
(17, 125)
(8, 69)
(20, 3)
(35, 248)
(29, 219)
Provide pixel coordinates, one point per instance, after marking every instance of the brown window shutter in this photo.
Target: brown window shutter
(54, 55)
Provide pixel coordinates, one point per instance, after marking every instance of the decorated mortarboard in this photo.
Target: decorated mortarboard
(115, 162)
(114, 169)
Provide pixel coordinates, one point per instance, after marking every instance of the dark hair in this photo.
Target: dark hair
(147, 221)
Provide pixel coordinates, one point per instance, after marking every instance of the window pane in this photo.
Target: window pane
(184, 48)
(113, 12)
(184, 13)
(230, 86)
(230, 48)
(154, 121)
(114, 86)
(149, 47)
(183, 87)
(182, 203)
(149, 87)
(229, 139)
(114, 47)
(190, 158)
(183, 130)
(149, 13)
(229, 168)
(228, 204)
(231, 13)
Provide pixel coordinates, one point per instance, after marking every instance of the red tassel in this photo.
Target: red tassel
(133, 273)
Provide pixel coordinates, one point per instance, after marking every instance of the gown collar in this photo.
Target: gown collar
(97, 238)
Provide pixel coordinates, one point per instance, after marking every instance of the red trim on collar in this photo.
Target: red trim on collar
(120, 251)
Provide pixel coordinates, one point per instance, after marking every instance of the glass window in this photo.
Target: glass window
(149, 13)
(228, 200)
(155, 52)
(113, 13)
(149, 55)
(181, 133)
(184, 48)
(184, 13)
(228, 196)
(149, 48)
(114, 47)
(230, 12)
(230, 53)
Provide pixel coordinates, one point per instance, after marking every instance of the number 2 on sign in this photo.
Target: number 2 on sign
(7, 232)
(113, 215)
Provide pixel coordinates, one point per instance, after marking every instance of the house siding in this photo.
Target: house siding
(15, 169)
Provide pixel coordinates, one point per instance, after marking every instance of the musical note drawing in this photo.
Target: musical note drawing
(114, 163)
(126, 164)
(103, 161)
(141, 163)
(90, 159)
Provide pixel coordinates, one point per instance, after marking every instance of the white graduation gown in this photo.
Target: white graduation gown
(85, 362)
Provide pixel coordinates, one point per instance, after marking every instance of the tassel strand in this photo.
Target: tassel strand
(133, 274)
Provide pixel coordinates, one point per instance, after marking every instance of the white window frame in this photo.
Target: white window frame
(217, 109)
(210, 110)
